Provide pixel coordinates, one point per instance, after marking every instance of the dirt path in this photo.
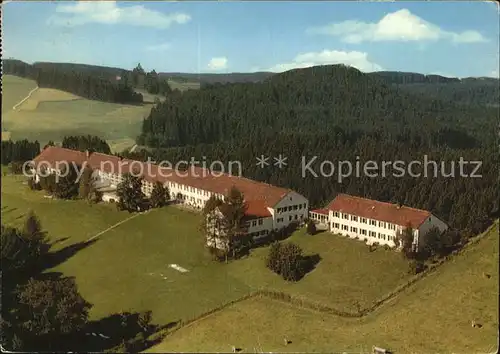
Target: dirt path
(24, 99)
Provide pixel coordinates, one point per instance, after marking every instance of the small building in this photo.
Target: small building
(375, 222)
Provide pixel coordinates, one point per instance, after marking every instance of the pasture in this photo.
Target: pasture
(14, 89)
(128, 268)
(433, 315)
(52, 114)
(183, 86)
(125, 269)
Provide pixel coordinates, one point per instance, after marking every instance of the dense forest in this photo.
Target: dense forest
(338, 114)
(326, 98)
(19, 151)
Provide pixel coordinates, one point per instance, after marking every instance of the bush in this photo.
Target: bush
(286, 260)
(311, 228)
(415, 267)
(387, 247)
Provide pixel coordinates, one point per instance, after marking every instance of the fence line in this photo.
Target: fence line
(316, 306)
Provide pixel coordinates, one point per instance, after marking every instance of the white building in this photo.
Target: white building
(268, 207)
(373, 221)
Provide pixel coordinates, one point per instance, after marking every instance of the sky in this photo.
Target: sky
(457, 39)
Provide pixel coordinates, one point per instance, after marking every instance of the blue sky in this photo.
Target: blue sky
(448, 38)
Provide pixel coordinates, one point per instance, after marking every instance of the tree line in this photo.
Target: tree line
(19, 151)
(80, 83)
(92, 82)
(86, 142)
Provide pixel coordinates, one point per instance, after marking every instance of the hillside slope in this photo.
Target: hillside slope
(434, 315)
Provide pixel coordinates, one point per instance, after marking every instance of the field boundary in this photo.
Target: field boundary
(300, 302)
(24, 99)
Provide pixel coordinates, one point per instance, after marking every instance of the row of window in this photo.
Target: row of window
(255, 222)
(258, 233)
(290, 218)
(364, 232)
(291, 207)
(116, 179)
(319, 217)
(371, 222)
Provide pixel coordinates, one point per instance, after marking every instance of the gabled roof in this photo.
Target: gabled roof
(258, 196)
(382, 211)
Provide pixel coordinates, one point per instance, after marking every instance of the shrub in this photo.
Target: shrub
(286, 260)
(387, 247)
(311, 228)
(415, 267)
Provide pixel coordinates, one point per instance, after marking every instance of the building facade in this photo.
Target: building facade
(374, 221)
(269, 208)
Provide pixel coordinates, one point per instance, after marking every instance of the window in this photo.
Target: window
(354, 229)
(279, 220)
(354, 218)
(346, 216)
(296, 217)
(300, 206)
(290, 218)
(363, 220)
(373, 222)
(336, 214)
(345, 227)
(362, 231)
(290, 208)
(381, 224)
(261, 221)
(254, 223)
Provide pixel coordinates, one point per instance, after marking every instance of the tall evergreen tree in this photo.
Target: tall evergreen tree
(131, 197)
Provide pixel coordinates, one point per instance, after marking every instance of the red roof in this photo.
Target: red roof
(373, 209)
(259, 196)
(320, 211)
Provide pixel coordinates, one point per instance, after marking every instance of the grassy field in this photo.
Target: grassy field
(131, 258)
(127, 269)
(52, 114)
(14, 89)
(183, 86)
(434, 315)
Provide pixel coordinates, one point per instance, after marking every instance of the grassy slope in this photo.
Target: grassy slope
(123, 269)
(52, 114)
(14, 89)
(434, 315)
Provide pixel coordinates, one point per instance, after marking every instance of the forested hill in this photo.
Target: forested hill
(333, 99)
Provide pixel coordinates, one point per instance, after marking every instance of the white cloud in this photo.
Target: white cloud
(355, 59)
(495, 74)
(158, 47)
(401, 25)
(219, 63)
(108, 12)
